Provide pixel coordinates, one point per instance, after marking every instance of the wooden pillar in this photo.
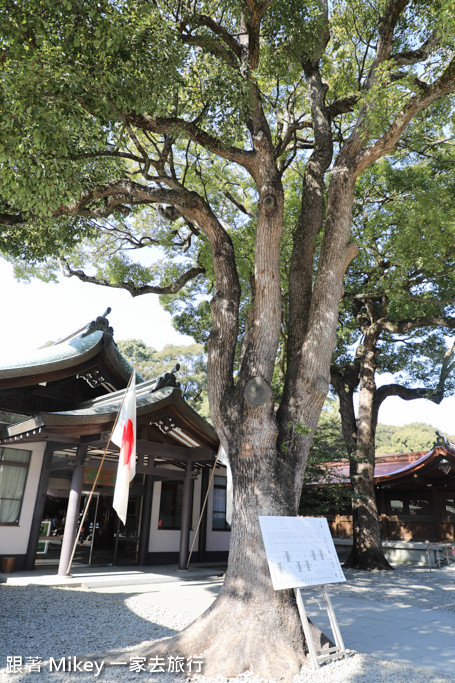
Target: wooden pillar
(437, 514)
(382, 508)
(186, 516)
(146, 520)
(72, 512)
(38, 512)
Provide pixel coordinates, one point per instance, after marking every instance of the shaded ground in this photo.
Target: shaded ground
(39, 622)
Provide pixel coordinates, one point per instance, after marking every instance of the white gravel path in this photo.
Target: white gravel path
(39, 621)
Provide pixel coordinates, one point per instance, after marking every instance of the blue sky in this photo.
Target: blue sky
(35, 313)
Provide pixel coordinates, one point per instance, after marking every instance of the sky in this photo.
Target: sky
(36, 312)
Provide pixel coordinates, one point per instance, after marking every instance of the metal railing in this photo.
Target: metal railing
(443, 554)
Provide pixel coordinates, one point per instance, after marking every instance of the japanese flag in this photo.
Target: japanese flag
(124, 436)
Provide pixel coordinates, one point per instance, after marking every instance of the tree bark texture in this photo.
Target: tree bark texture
(273, 644)
(367, 552)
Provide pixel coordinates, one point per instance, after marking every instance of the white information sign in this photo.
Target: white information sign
(300, 552)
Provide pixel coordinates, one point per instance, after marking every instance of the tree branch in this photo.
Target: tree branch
(220, 31)
(420, 54)
(324, 36)
(290, 132)
(13, 219)
(213, 46)
(406, 393)
(129, 285)
(387, 26)
(191, 130)
(238, 204)
(444, 85)
(409, 394)
(404, 326)
(309, 224)
(343, 106)
(345, 383)
(101, 153)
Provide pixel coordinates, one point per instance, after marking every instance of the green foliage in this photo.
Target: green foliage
(74, 75)
(192, 374)
(410, 438)
(404, 222)
(76, 65)
(324, 490)
(291, 28)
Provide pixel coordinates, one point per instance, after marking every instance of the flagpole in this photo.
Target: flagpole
(202, 511)
(133, 375)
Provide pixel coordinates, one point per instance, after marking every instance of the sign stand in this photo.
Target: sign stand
(300, 553)
(318, 657)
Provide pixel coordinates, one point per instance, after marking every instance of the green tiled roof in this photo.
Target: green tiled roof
(110, 403)
(57, 353)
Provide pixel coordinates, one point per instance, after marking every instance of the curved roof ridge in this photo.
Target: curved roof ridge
(143, 388)
(48, 355)
(111, 402)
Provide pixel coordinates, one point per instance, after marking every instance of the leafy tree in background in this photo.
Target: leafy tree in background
(411, 438)
(398, 308)
(191, 120)
(192, 374)
(323, 491)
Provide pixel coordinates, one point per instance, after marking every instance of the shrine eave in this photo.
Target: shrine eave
(164, 412)
(437, 463)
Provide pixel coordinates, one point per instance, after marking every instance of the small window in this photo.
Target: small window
(219, 522)
(397, 506)
(14, 465)
(410, 505)
(170, 516)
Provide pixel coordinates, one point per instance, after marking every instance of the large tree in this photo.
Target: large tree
(399, 304)
(201, 112)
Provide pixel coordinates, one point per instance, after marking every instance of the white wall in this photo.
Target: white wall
(14, 539)
(168, 540)
(165, 540)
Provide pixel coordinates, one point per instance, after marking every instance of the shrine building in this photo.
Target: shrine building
(57, 409)
(415, 495)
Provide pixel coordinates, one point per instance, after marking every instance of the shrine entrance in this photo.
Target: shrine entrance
(103, 541)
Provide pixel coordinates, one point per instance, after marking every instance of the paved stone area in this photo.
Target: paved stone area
(421, 637)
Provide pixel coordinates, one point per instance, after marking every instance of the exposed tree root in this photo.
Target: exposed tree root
(235, 635)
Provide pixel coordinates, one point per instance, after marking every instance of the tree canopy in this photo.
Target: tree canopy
(192, 374)
(397, 310)
(181, 126)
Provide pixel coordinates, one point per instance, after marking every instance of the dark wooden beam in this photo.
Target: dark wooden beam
(187, 509)
(157, 472)
(38, 511)
(146, 521)
(155, 449)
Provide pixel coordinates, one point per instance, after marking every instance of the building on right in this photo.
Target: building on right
(415, 494)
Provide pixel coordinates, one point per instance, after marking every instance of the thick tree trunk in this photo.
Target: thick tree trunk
(250, 626)
(367, 552)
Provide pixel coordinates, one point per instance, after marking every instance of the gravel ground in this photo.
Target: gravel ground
(43, 622)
